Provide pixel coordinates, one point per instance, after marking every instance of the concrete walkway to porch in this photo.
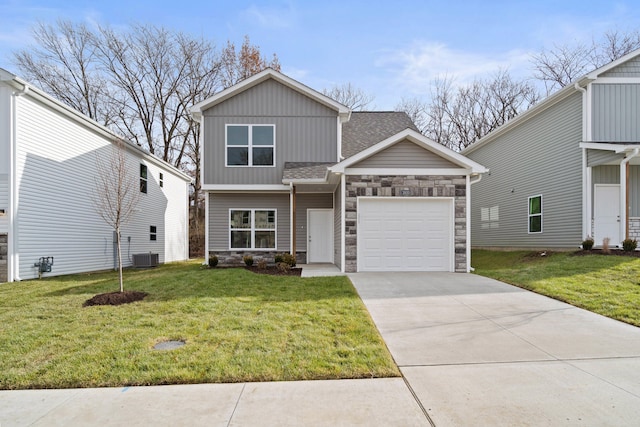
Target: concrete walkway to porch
(323, 269)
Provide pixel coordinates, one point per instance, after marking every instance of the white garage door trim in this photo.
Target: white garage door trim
(421, 238)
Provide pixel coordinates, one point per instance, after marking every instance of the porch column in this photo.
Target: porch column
(293, 219)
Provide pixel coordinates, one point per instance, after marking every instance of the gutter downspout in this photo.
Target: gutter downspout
(13, 273)
(624, 193)
(586, 171)
(470, 182)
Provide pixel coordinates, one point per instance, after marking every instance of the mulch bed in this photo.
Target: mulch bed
(618, 252)
(115, 298)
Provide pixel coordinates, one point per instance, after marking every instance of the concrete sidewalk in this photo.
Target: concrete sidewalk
(385, 401)
(478, 352)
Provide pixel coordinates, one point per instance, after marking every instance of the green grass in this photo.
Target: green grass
(608, 285)
(238, 326)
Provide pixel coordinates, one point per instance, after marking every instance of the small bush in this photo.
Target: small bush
(629, 245)
(587, 244)
(605, 245)
(248, 260)
(262, 264)
(283, 267)
(213, 261)
(277, 259)
(289, 259)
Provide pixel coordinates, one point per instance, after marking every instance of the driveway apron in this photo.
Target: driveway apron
(478, 352)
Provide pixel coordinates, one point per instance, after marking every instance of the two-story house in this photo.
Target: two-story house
(287, 169)
(567, 168)
(49, 156)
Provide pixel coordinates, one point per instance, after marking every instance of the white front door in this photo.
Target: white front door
(319, 235)
(606, 222)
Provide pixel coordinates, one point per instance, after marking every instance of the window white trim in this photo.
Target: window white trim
(530, 215)
(253, 229)
(249, 145)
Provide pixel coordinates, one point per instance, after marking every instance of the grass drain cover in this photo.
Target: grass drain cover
(168, 345)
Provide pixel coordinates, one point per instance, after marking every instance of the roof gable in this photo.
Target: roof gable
(448, 155)
(256, 79)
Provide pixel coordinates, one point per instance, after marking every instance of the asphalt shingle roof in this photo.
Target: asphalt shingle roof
(305, 170)
(367, 128)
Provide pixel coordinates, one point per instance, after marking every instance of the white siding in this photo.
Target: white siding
(56, 163)
(4, 203)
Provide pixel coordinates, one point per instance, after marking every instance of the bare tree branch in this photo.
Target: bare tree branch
(350, 96)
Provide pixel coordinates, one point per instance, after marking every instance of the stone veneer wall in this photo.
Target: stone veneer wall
(229, 258)
(4, 248)
(634, 228)
(394, 186)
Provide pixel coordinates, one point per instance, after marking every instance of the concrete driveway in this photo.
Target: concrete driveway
(478, 352)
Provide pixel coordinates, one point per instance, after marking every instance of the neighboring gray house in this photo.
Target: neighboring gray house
(287, 169)
(48, 155)
(566, 169)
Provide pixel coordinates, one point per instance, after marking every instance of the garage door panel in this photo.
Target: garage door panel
(405, 234)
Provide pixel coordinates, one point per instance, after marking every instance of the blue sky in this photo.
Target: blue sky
(390, 49)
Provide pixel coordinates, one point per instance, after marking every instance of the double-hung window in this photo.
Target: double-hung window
(252, 229)
(143, 178)
(250, 145)
(535, 214)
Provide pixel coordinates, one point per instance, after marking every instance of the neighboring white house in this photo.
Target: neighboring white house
(48, 157)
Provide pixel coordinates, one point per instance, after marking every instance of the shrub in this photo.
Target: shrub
(248, 260)
(213, 261)
(283, 267)
(605, 245)
(587, 244)
(277, 259)
(289, 259)
(629, 245)
(262, 264)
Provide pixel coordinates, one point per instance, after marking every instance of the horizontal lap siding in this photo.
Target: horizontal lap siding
(405, 154)
(4, 202)
(616, 108)
(540, 156)
(304, 202)
(305, 131)
(220, 203)
(56, 215)
(337, 227)
(630, 68)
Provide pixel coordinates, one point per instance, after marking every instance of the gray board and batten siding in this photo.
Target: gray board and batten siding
(304, 130)
(541, 156)
(405, 154)
(220, 203)
(616, 108)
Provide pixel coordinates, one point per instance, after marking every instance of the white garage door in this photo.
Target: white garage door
(407, 234)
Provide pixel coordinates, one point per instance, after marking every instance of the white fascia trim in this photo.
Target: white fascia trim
(245, 187)
(467, 225)
(617, 80)
(418, 139)
(269, 73)
(400, 171)
(305, 181)
(618, 148)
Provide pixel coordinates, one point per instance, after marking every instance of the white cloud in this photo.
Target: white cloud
(416, 67)
(271, 17)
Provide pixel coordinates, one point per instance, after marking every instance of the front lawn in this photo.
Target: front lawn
(605, 284)
(237, 325)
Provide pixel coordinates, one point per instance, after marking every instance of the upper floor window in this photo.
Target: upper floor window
(161, 180)
(535, 214)
(143, 178)
(250, 145)
(153, 232)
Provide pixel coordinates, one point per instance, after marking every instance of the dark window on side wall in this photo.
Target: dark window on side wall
(143, 178)
(153, 235)
(161, 180)
(535, 214)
